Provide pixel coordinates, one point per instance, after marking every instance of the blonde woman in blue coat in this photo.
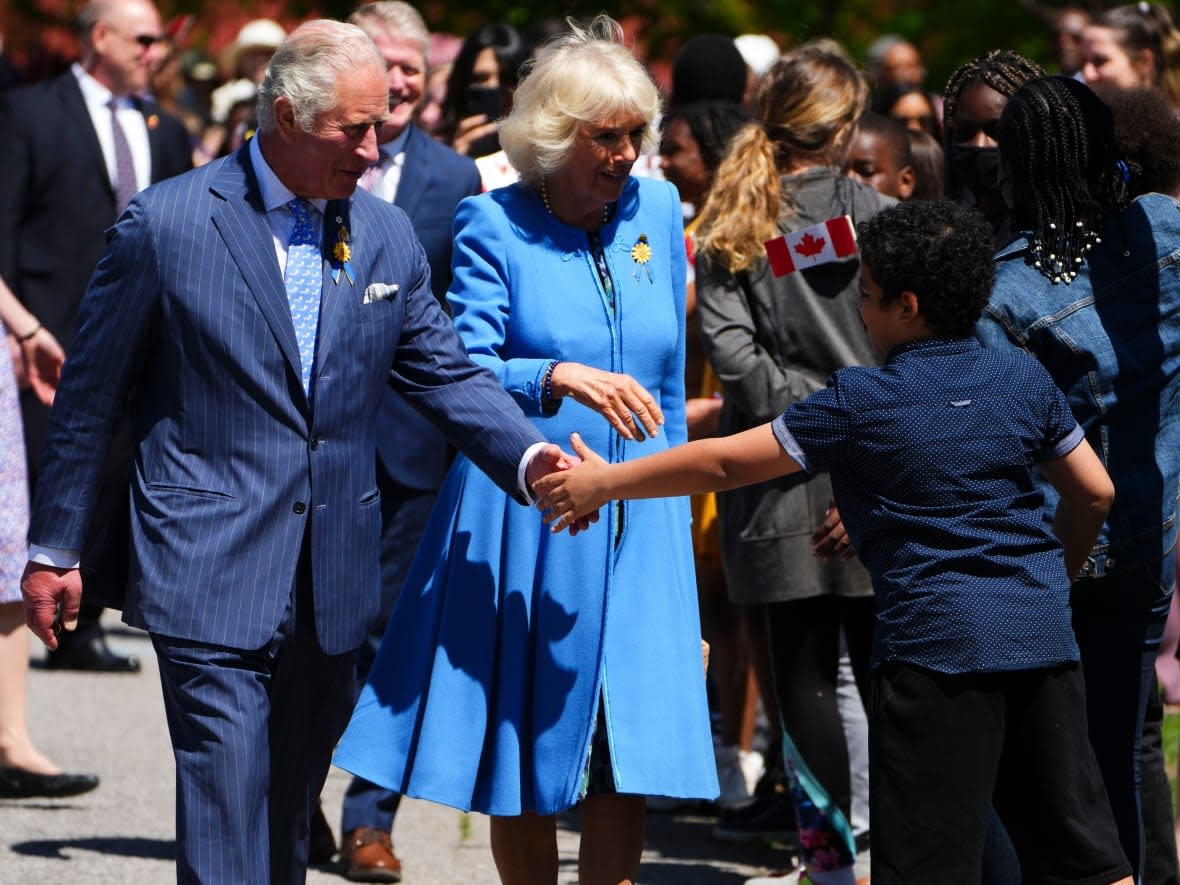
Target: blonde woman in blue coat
(525, 672)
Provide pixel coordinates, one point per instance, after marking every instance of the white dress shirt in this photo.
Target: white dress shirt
(97, 98)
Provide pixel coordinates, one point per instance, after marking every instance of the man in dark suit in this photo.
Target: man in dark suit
(260, 308)
(426, 179)
(72, 151)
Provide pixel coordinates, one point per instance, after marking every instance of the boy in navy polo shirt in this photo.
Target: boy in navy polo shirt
(977, 695)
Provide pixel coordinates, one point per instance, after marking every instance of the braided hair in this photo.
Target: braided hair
(1001, 69)
(1057, 140)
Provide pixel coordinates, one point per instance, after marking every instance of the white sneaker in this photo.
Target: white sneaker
(737, 773)
(753, 765)
(779, 877)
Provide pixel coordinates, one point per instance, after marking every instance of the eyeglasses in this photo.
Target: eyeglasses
(147, 41)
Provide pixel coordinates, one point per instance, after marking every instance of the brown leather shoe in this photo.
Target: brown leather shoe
(367, 856)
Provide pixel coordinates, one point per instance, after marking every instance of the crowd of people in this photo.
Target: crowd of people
(340, 319)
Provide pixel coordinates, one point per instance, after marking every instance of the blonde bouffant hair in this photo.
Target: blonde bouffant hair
(805, 109)
(587, 76)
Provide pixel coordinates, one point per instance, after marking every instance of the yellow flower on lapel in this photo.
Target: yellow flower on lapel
(342, 255)
(641, 255)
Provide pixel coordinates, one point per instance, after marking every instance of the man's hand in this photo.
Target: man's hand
(566, 495)
(552, 459)
(52, 596)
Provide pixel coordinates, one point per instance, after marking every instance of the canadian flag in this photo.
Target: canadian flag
(819, 244)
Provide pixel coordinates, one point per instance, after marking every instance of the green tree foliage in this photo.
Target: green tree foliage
(946, 33)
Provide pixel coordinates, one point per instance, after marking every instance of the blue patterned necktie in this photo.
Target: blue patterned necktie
(303, 278)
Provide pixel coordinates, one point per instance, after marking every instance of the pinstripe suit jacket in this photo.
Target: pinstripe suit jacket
(231, 464)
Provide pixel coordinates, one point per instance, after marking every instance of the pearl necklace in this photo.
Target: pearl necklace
(549, 209)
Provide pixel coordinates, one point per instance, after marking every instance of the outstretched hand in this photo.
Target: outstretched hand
(549, 461)
(568, 496)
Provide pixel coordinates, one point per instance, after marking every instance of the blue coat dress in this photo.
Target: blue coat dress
(486, 690)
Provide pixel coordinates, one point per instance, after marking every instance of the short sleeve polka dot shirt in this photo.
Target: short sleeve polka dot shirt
(931, 459)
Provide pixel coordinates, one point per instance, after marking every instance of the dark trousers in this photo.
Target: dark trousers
(252, 733)
(1119, 621)
(804, 640)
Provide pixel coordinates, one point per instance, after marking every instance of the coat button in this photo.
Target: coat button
(300, 507)
(315, 443)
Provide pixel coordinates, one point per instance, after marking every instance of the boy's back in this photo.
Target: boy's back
(931, 458)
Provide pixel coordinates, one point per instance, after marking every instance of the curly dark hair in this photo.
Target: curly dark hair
(1148, 134)
(939, 250)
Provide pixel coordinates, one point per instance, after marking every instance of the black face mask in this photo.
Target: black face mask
(975, 168)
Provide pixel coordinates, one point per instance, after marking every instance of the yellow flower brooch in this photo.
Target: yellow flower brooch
(342, 255)
(641, 255)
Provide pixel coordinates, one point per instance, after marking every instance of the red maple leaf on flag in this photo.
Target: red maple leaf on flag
(809, 245)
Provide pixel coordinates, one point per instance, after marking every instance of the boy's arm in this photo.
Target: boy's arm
(1086, 495)
(706, 465)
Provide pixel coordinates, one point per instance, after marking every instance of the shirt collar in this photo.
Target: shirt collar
(93, 92)
(275, 194)
(398, 145)
(939, 343)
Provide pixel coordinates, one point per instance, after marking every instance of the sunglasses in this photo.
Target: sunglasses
(147, 41)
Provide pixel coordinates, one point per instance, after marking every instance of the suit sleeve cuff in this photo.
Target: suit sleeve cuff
(522, 470)
(54, 556)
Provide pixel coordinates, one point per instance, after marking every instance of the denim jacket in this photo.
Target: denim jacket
(1111, 341)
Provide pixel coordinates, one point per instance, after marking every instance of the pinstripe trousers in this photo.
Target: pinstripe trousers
(252, 733)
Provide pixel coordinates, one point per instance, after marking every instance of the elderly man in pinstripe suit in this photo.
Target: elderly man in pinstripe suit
(255, 516)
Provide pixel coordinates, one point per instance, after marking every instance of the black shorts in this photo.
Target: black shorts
(943, 748)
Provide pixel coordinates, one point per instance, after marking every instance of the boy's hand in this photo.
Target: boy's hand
(567, 496)
(830, 541)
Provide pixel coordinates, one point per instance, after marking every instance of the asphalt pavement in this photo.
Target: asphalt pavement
(123, 833)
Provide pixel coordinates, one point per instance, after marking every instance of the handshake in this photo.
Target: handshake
(570, 488)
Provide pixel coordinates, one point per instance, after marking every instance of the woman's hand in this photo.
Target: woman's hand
(565, 497)
(470, 130)
(620, 399)
(42, 358)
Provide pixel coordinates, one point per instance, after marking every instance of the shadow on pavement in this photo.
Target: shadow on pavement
(151, 849)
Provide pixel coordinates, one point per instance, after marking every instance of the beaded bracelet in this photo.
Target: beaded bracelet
(547, 402)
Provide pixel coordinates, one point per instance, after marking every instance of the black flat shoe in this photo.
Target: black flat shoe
(20, 783)
(90, 653)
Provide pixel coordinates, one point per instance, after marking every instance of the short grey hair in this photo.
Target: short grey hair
(587, 76)
(879, 48)
(398, 18)
(306, 67)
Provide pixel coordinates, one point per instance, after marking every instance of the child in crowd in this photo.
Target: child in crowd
(879, 156)
(929, 165)
(976, 690)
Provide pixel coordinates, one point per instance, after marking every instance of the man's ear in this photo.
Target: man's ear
(907, 180)
(285, 123)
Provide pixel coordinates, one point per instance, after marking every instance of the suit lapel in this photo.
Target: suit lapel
(336, 293)
(75, 109)
(241, 222)
(151, 119)
(414, 176)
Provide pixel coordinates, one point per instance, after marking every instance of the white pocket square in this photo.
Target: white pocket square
(379, 292)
